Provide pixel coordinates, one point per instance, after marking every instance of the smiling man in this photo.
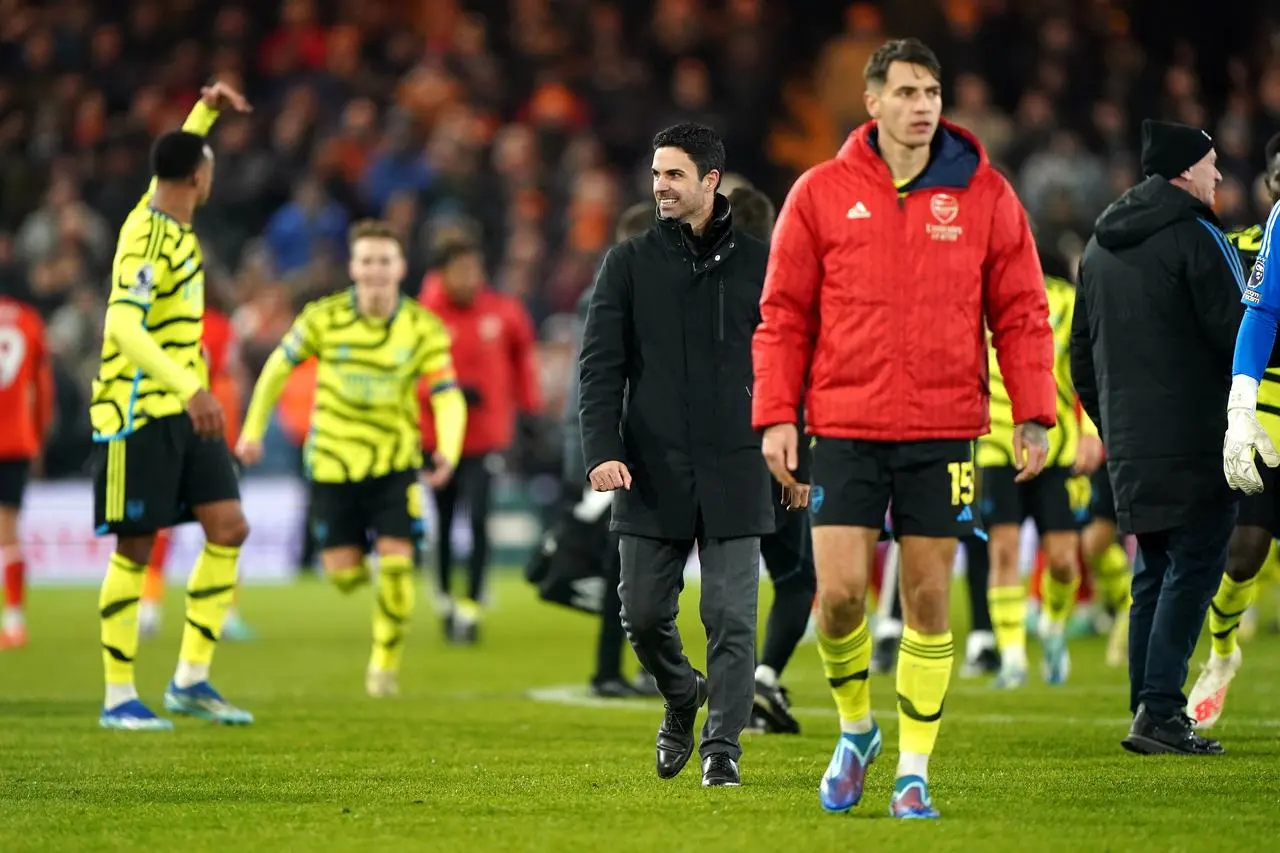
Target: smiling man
(886, 264)
(665, 409)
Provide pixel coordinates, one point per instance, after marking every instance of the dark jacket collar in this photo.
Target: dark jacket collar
(719, 230)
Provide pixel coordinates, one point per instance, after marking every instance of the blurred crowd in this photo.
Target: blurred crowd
(525, 126)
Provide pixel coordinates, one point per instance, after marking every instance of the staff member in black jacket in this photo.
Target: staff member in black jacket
(668, 335)
(1157, 310)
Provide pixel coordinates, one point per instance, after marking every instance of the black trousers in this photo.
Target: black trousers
(788, 557)
(612, 637)
(1175, 578)
(652, 579)
(470, 484)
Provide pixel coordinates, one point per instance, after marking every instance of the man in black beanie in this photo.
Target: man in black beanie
(1157, 311)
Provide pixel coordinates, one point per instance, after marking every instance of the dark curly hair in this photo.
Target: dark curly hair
(703, 145)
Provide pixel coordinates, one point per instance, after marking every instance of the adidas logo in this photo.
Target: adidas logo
(859, 211)
(966, 515)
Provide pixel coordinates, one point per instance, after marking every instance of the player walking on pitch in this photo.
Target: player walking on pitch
(26, 399)
(161, 456)
(364, 451)
(886, 263)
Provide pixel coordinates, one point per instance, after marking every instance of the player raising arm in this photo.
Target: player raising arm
(364, 451)
(161, 457)
(886, 262)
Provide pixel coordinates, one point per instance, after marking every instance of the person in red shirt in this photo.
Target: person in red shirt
(887, 264)
(219, 339)
(493, 354)
(26, 399)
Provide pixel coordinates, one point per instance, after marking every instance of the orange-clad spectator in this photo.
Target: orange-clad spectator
(26, 398)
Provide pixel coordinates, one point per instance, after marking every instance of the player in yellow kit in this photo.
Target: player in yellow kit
(1258, 524)
(161, 459)
(1057, 501)
(363, 453)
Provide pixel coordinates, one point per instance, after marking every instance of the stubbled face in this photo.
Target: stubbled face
(377, 268)
(1203, 178)
(908, 106)
(677, 189)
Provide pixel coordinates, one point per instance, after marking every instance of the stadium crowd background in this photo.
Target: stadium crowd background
(527, 124)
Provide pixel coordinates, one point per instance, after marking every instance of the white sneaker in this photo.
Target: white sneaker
(1205, 704)
(381, 684)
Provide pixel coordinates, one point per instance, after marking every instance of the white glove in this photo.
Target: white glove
(1244, 437)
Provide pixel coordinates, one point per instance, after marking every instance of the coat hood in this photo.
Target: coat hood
(1145, 209)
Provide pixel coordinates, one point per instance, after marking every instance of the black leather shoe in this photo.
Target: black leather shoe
(675, 735)
(774, 705)
(1173, 736)
(720, 771)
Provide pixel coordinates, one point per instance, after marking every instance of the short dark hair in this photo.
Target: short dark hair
(634, 221)
(1272, 149)
(912, 51)
(451, 250)
(372, 229)
(177, 155)
(703, 145)
(753, 212)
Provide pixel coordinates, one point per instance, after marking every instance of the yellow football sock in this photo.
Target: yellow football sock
(350, 579)
(210, 589)
(1008, 606)
(1228, 605)
(1058, 598)
(1115, 577)
(118, 609)
(924, 673)
(391, 612)
(846, 661)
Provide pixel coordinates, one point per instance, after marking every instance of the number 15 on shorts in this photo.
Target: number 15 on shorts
(961, 483)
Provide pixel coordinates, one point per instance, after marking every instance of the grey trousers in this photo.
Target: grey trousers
(652, 579)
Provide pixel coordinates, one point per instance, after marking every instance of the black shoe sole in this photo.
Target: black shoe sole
(1141, 745)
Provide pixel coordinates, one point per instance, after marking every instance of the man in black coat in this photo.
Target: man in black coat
(668, 337)
(1157, 311)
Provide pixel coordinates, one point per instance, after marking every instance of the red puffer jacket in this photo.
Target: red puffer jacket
(874, 301)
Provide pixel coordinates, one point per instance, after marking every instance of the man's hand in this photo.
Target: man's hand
(220, 96)
(1089, 455)
(206, 414)
(441, 472)
(795, 497)
(1244, 437)
(249, 452)
(1030, 450)
(780, 448)
(610, 476)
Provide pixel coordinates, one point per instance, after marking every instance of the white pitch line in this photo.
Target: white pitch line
(580, 697)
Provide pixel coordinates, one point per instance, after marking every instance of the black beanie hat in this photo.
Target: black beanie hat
(1169, 149)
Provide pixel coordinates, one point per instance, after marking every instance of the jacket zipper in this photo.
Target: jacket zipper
(720, 314)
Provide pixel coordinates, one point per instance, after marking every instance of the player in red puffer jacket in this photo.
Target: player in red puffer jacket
(496, 364)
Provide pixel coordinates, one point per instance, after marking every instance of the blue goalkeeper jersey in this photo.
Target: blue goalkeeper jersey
(1261, 298)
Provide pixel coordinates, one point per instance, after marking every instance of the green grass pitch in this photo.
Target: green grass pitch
(472, 757)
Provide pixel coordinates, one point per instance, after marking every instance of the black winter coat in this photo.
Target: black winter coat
(665, 381)
(1152, 341)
